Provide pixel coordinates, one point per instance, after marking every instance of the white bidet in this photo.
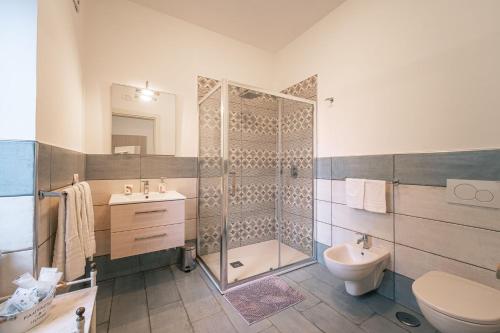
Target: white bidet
(362, 270)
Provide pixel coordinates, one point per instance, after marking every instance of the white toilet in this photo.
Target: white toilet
(456, 305)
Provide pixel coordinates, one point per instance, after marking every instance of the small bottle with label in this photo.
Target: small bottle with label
(128, 189)
(162, 187)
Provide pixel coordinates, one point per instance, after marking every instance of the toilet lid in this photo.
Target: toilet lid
(459, 298)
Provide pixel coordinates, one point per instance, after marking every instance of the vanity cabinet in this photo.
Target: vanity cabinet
(138, 228)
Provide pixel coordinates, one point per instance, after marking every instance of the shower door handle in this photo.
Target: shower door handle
(233, 182)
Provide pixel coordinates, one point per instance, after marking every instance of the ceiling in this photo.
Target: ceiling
(266, 24)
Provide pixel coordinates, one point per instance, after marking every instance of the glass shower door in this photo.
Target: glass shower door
(252, 143)
(255, 183)
(210, 191)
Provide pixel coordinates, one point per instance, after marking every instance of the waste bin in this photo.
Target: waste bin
(188, 255)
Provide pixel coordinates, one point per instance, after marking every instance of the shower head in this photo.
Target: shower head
(249, 94)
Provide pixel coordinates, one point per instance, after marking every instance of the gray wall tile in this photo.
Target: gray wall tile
(323, 168)
(43, 160)
(386, 288)
(17, 164)
(320, 248)
(64, 164)
(403, 294)
(370, 166)
(156, 166)
(107, 166)
(435, 168)
(124, 266)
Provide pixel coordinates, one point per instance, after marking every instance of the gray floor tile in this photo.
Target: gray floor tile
(291, 321)
(299, 275)
(387, 308)
(161, 288)
(170, 318)
(378, 324)
(351, 307)
(238, 322)
(329, 321)
(271, 329)
(129, 311)
(197, 297)
(103, 301)
(321, 273)
(209, 283)
(216, 323)
(309, 301)
(102, 328)
(178, 274)
(183, 302)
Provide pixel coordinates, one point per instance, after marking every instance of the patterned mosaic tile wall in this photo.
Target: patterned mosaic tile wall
(253, 161)
(307, 89)
(298, 140)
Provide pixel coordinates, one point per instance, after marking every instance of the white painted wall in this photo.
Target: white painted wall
(128, 44)
(408, 76)
(60, 106)
(18, 28)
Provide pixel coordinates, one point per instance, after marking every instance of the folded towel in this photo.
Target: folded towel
(88, 219)
(375, 196)
(69, 256)
(355, 192)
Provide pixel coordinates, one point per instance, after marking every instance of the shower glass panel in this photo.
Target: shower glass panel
(256, 183)
(210, 172)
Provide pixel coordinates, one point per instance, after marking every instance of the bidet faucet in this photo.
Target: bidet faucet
(364, 239)
(146, 187)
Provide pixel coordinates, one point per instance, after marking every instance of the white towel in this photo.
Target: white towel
(80, 219)
(355, 192)
(69, 256)
(88, 219)
(375, 196)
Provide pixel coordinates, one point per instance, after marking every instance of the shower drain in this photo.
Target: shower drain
(408, 319)
(236, 264)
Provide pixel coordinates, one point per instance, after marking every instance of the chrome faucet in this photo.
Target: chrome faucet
(364, 240)
(146, 187)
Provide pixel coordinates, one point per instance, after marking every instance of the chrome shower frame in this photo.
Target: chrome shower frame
(222, 284)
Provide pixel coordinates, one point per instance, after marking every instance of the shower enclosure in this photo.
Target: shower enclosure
(255, 185)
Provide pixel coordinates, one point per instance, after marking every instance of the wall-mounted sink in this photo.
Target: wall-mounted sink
(123, 199)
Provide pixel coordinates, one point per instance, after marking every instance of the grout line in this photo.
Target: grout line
(442, 256)
(448, 222)
(147, 302)
(394, 225)
(111, 305)
(385, 240)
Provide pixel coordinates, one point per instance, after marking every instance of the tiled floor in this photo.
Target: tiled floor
(168, 300)
(251, 256)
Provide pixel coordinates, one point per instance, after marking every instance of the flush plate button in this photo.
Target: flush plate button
(473, 192)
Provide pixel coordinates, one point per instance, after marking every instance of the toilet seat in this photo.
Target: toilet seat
(458, 298)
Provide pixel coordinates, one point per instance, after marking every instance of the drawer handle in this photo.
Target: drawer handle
(151, 211)
(149, 237)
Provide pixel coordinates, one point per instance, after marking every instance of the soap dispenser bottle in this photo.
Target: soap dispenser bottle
(162, 187)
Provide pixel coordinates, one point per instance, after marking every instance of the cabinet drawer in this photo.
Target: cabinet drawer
(133, 242)
(144, 215)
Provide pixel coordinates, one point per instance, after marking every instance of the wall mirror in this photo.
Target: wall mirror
(143, 121)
